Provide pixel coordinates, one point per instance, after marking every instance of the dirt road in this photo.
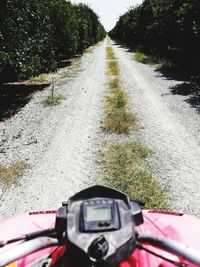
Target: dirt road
(66, 163)
(63, 160)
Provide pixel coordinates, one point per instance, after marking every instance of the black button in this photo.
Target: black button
(107, 223)
(101, 224)
(104, 223)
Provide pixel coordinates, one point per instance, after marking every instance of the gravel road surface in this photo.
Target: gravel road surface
(61, 143)
(170, 127)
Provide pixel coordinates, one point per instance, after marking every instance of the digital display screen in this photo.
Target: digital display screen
(98, 214)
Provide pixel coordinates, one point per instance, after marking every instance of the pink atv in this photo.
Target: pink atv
(100, 227)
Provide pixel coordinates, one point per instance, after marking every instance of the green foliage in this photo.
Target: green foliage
(164, 29)
(35, 35)
(165, 65)
(141, 57)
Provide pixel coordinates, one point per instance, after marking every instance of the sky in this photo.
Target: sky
(109, 10)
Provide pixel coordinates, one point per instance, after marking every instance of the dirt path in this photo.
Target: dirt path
(61, 143)
(170, 127)
(67, 164)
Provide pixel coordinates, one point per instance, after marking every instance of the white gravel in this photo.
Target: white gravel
(60, 143)
(170, 126)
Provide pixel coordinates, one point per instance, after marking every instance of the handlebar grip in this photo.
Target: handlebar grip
(173, 247)
(26, 248)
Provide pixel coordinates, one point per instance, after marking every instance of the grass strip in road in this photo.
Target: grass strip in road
(12, 174)
(110, 53)
(114, 83)
(118, 119)
(112, 68)
(117, 99)
(123, 169)
(123, 162)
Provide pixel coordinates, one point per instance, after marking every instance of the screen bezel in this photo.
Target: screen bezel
(99, 225)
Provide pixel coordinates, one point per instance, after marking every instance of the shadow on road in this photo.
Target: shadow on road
(172, 74)
(187, 87)
(13, 98)
(190, 89)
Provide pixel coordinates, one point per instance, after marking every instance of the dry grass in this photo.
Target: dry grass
(114, 83)
(159, 64)
(110, 53)
(119, 121)
(90, 49)
(40, 78)
(142, 58)
(117, 99)
(53, 100)
(112, 64)
(112, 68)
(117, 118)
(12, 174)
(124, 170)
(122, 163)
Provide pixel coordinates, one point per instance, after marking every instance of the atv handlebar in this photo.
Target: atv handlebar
(99, 223)
(173, 247)
(25, 248)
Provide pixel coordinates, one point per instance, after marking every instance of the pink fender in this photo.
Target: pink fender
(181, 228)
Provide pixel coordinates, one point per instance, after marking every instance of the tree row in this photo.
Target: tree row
(36, 34)
(165, 30)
